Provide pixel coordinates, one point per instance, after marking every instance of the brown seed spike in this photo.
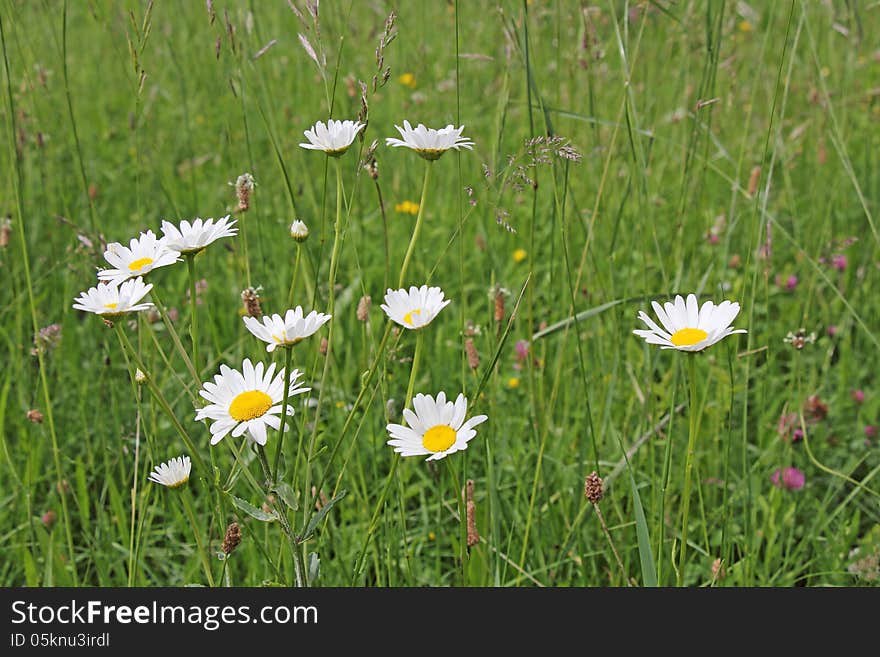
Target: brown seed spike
(473, 358)
(593, 488)
(232, 539)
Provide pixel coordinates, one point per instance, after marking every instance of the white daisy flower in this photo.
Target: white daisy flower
(334, 138)
(196, 236)
(246, 401)
(143, 255)
(173, 474)
(416, 308)
(428, 142)
(286, 331)
(113, 299)
(687, 327)
(436, 427)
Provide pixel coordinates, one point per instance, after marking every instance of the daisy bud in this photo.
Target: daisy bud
(232, 538)
(299, 231)
(48, 519)
(35, 416)
(244, 185)
(363, 309)
(251, 299)
(473, 537)
(139, 376)
(473, 358)
(593, 488)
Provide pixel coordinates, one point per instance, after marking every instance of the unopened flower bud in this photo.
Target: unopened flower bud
(299, 231)
(139, 376)
(48, 519)
(35, 416)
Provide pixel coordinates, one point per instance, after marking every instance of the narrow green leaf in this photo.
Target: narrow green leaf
(646, 556)
(313, 523)
(287, 495)
(251, 510)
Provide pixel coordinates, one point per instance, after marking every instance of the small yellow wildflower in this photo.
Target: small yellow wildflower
(407, 207)
(745, 26)
(340, 404)
(513, 382)
(519, 255)
(407, 80)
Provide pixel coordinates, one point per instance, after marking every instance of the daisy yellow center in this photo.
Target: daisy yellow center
(408, 318)
(179, 482)
(111, 306)
(438, 438)
(688, 336)
(250, 404)
(140, 263)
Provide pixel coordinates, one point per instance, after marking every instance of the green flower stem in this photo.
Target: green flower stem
(462, 518)
(299, 249)
(374, 519)
(288, 353)
(163, 403)
(194, 314)
(203, 554)
(689, 462)
(298, 563)
(418, 226)
(348, 420)
(334, 263)
(174, 337)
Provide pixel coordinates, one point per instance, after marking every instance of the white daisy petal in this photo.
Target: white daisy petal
(147, 253)
(334, 137)
(689, 327)
(196, 236)
(287, 330)
(430, 143)
(436, 427)
(172, 474)
(414, 308)
(247, 401)
(114, 299)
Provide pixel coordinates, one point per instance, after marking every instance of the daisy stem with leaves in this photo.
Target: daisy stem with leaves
(395, 461)
(418, 226)
(281, 513)
(194, 315)
(693, 428)
(203, 554)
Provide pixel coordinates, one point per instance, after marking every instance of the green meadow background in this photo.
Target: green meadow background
(727, 148)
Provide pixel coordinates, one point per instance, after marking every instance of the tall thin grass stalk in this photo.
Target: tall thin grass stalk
(395, 461)
(191, 516)
(194, 313)
(15, 156)
(175, 338)
(693, 424)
